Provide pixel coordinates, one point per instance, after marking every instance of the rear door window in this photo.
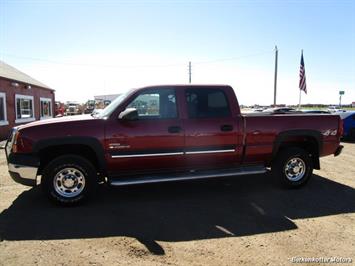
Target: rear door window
(207, 103)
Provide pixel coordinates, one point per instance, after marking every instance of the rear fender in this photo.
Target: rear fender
(300, 138)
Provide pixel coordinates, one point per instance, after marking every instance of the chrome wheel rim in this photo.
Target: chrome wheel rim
(69, 182)
(295, 169)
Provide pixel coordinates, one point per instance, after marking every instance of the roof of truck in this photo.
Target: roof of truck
(185, 85)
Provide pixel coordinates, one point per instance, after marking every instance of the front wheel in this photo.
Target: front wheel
(293, 167)
(69, 179)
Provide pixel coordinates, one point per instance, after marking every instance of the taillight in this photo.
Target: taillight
(340, 127)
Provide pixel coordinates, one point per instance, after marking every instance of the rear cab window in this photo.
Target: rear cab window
(207, 103)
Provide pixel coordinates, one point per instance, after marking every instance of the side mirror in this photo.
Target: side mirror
(129, 114)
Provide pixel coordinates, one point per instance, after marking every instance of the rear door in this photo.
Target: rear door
(211, 129)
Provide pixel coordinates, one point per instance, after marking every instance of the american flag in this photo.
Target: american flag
(303, 86)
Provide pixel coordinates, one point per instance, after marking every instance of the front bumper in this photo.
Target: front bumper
(23, 174)
(338, 150)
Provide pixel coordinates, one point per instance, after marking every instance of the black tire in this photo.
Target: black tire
(69, 180)
(292, 167)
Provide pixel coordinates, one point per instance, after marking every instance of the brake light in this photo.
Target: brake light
(340, 127)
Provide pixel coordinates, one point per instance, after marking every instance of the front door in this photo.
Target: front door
(154, 142)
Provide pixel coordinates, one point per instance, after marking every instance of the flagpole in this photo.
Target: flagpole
(299, 102)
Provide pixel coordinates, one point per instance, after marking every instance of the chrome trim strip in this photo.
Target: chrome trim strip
(25, 172)
(209, 151)
(182, 178)
(170, 153)
(147, 155)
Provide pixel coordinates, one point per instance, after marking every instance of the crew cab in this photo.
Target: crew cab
(168, 133)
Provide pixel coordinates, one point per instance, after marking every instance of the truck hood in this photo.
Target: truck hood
(59, 120)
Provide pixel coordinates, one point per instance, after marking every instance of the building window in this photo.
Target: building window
(24, 108)
(46, 108)
(3, 115)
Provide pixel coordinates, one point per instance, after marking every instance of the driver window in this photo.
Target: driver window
(155, 104)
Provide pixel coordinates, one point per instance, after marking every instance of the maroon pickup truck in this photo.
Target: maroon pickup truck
(168, 133)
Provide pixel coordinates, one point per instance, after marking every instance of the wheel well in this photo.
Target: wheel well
(47, 154)
(308, 143)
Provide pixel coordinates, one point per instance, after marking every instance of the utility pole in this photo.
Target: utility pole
(341, 93)
(190, 72)
(275, 79)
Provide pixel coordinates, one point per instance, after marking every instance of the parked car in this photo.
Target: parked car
(59, 109)
(89, 107)
(335, 109)
(107, 102)
(349, 125)
(73, 109)
(187, 133)
(316, 112)
(258, 110)
(281, 110)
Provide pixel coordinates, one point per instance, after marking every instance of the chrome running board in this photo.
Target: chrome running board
(246, 170)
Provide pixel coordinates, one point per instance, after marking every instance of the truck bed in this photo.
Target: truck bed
(261, 131)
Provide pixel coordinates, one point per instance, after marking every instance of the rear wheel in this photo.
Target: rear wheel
(69, 179)
(292, 167)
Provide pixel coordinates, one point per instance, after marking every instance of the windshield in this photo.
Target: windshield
(113, 105)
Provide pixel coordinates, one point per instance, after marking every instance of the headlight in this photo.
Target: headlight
(15, 141)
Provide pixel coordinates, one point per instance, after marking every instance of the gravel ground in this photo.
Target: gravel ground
(244, 220)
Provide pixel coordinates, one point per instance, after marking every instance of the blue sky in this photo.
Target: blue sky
(86, 48)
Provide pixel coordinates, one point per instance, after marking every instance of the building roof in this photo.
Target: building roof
(9, 72)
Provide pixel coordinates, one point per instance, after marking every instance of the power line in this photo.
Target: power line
(131, 66)
(86, 64)
(233, 58)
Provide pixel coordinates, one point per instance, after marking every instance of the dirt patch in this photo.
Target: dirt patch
(243, 220)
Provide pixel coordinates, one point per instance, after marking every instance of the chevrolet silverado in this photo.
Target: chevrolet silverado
(168, 133)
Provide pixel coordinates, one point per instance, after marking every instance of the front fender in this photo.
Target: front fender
(91, 142)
